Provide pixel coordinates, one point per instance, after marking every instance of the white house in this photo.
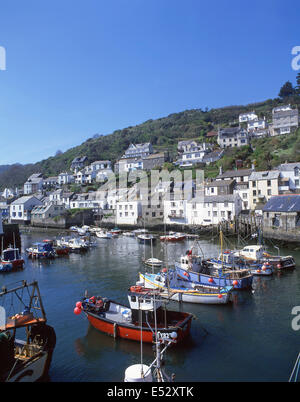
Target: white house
(128, 212)
(20, 209)
(7, 193)
(138, 150)
(291, 171)
(232, 137)
(212, 210)
(258, 124)
(34, 183)
(245, 117)
(85, 176)
(65, 178)
(285, 120)
(192, 153)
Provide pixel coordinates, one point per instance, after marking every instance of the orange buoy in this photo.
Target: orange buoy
(210, 280)
(77, 310)
(78, 304)
(235, 283)
(220, 296)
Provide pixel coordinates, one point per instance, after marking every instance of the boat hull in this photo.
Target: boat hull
(189, 295)
(209, 280)
(120, 330)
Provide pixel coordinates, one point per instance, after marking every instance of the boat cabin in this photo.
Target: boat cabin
(10, 254)
(142, 299)
(191, 263)
(251, 252)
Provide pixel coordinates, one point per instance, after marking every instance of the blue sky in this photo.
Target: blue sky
(77, 68)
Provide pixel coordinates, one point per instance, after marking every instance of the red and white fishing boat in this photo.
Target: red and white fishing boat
(11, 255)
(120, 321)
(173, 237)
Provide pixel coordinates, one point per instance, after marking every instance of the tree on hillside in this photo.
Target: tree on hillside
(298, 84)
(286, 90)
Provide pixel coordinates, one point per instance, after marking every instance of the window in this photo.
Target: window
(215, 213)
(254, 184)
(254, 192)
(269, 183)
(297, 182)
(153, 214)
(225, 204)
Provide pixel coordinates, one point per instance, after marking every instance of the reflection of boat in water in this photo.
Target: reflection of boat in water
(121, 321)
(25, 360)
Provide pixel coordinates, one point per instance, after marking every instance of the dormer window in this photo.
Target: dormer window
(296, 171)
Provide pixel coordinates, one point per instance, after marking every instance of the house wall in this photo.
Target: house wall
(263, 189)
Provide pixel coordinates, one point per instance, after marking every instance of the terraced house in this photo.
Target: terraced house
(232, 137)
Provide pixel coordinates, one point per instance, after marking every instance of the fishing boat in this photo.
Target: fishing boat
(77, 245)
(146, 239)
(11, 257)
(194, 268)
(60, 250)
(41, 250)
(173, 288)
(28, 359)
(128, 234)
(258, 254)
(153, 262)
(121, 321)
(173, 237)
(104, 235)
(115, 231)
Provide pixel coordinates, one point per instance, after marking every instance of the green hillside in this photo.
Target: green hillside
(164, 133)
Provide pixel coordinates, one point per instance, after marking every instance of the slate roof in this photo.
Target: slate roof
(266, 175)
(283, 203)
(235, 173)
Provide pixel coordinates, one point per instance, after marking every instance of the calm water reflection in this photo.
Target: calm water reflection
(248, 340)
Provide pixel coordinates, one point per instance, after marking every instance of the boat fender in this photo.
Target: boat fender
(135, 288)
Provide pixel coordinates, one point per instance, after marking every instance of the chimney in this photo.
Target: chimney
(220, 170)
(252, 167)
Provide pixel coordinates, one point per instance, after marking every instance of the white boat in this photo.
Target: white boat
(181, 291)
(153, 262)
(104, 235)
(128, 234)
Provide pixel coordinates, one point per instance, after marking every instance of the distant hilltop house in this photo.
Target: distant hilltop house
(232, 137)
(34, 183)
(138, 150)
(285, 120)
(190, 152)
(245, 117)
(78, 163)
(141, 163)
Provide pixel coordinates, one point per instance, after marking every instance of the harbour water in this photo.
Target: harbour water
(251, 339)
